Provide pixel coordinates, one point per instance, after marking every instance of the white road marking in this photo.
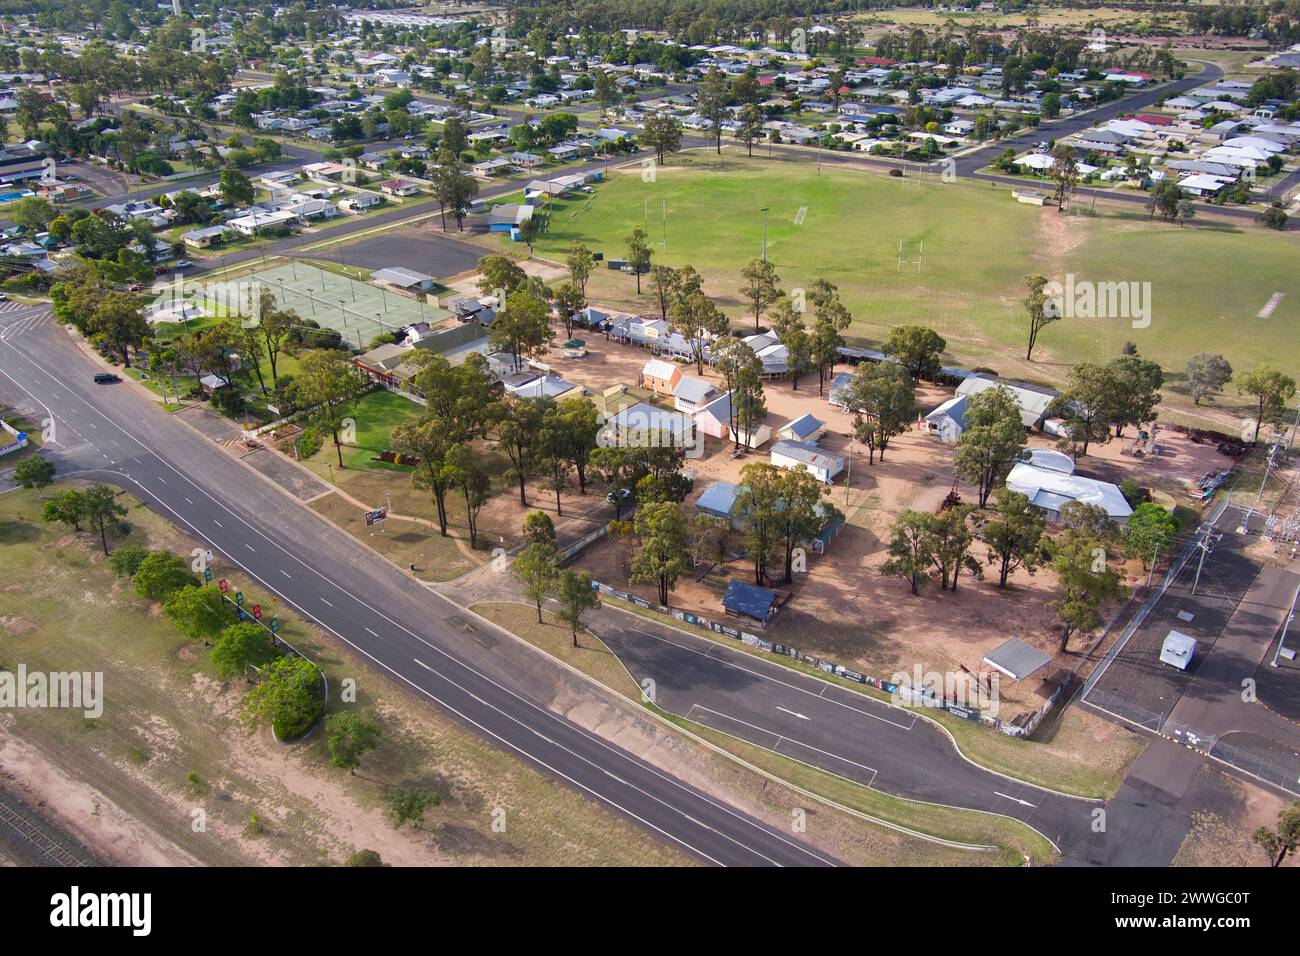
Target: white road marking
(1023, 803)
(373, 632)
(327, 601)
(794, 713)
(780, 738)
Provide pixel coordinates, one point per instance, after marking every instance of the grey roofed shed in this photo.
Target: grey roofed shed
(1016, 659)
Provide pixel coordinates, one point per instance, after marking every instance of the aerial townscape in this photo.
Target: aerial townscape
(651, 433)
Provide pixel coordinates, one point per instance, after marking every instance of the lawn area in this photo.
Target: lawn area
(376, 415)
(168, 716)
(403, 542)
(845, 225)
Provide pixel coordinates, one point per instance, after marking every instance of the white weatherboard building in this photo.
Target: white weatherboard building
(823, 464)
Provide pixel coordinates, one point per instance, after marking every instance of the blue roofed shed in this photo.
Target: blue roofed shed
(749, 600)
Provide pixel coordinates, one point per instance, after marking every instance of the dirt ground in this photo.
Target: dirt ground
(843, 609)
(1230, 811)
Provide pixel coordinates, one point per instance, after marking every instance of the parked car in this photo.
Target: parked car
(106, 378)
(183, 263)
(161, 270)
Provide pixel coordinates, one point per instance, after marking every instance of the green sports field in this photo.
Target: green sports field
(975, 245)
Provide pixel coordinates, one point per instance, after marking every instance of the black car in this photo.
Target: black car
(106, 378)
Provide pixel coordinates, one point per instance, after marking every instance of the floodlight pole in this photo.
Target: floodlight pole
(764, 211)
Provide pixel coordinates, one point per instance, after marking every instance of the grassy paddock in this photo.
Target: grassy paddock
(1207, 280)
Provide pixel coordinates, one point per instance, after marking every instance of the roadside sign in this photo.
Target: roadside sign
(208, 555)
(224, 585)
(239, 598)
(275, 625)
(257, 612)
(378, 516)
(207, 575)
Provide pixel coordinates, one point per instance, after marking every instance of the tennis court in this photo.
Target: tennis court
(358, 310)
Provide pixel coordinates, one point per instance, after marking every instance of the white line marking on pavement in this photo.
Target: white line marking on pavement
(328, 602)
(779, 737)
(794, 713)
(1023, 803)
(371, 631)
(803, 690)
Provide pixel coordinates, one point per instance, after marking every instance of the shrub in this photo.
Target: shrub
(308, 442)
(288, 695)
(126, 560)
(160, 574)
(241, 645)
(408, 806)
(228, 400)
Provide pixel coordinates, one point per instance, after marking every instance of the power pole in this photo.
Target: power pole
(1206, 547)
(1289, 618)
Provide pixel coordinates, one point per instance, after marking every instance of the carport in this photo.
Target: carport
(1016, 659)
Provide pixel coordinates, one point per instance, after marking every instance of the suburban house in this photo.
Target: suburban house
(258, 219)
(202, 238)
(823, 465)
(398, 187)
(660, 376)
(492, 167)
(360, 202)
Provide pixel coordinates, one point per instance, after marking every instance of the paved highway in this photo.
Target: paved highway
(115, 434)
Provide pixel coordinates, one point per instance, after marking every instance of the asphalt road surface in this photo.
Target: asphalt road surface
(115, 434)
(863, 739)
